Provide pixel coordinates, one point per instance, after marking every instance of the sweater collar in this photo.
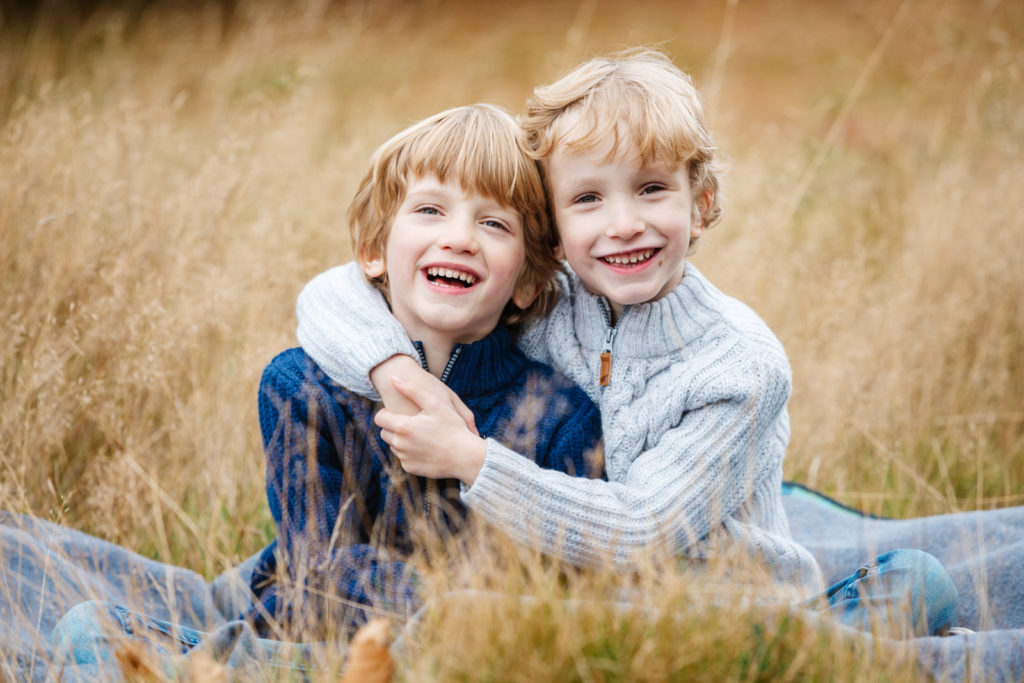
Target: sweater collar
(676, 321)
(482, 366)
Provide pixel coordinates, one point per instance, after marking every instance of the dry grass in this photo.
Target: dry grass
(169, 178)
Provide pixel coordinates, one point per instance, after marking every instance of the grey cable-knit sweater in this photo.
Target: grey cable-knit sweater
(694, 420)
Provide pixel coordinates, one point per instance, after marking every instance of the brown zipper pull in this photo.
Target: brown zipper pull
(605, 378)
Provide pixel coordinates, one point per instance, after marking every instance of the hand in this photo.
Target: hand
(435, 442)
(406, 368)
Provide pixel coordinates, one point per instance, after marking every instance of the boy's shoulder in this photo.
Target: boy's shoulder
(721, 314)
(737, 345)
(294, 362)
(294, 374)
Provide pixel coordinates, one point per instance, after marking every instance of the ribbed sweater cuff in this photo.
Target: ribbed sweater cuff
(496, 486)
(343, 351)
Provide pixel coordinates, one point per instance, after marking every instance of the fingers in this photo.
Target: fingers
(423, 398)
(394, 442)
(393, 430)
(466, 414)
(387, 420)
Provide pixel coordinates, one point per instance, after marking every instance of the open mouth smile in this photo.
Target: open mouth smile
(450, 277)
(630, 259)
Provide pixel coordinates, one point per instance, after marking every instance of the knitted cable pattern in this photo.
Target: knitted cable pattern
(694, 419)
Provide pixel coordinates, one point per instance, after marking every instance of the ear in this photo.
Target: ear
(700, 205)
(559, 252)
(696, 227)
(373, 265)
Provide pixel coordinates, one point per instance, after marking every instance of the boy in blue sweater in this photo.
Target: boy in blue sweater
(450, 224)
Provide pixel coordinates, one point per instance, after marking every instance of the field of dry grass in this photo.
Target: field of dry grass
(171, 176)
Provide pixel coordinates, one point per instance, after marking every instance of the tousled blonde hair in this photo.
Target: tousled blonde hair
(642, 102)
(482, 149)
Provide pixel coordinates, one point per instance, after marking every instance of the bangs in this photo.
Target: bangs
(482, 154)
(635, 120)
(482, 149)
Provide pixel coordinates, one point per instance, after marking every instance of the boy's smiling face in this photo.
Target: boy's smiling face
(625, 226)
(452, 260)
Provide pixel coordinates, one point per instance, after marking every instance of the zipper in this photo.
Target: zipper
(451, 363)
(423, 356)
(456, 352)
(605, 376)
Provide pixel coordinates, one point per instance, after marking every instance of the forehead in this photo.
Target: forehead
(625, 131)
(571, 166)
(452, 189)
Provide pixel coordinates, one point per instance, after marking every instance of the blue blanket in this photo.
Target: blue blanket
(47, 569)
(983, 552)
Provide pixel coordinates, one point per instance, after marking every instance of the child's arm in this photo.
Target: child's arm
(346, 327)
(557, 425)
(685, 487)
(689, 484)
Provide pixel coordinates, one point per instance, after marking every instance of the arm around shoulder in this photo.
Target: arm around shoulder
(716, 445)
(346, 327)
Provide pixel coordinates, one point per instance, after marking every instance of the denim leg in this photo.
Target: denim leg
(91, 632)
(904, 591)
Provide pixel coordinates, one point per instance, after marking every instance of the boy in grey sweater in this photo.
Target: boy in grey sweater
(692, 385)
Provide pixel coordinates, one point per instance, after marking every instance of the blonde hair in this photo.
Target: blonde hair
(481, 148)
(641, 101)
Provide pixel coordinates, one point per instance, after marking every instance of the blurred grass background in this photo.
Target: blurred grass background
(172, 173)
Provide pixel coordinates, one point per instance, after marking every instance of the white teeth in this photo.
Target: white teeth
(437, 271)
(635, 257)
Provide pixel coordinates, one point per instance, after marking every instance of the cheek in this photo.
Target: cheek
(506, 259)
(400, 259)
(571, 236)
(576, 251)
(514, 267)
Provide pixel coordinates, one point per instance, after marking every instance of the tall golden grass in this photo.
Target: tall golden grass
(170, 177)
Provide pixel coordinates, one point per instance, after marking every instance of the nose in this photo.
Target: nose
(625, 222)
(459, 235)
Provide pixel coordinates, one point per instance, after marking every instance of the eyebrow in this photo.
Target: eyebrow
(579, 183)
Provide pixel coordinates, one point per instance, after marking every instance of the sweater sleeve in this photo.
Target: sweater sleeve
(673, 495)
(346, 327)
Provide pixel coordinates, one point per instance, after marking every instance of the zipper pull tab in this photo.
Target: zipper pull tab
(606, 368)
(605, 378)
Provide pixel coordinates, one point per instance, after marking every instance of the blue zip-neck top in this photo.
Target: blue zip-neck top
(348, 516)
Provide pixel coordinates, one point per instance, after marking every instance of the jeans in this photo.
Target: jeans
(92, 632)
(900, 593)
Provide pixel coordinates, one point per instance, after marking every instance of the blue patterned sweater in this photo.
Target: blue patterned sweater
(348, 516)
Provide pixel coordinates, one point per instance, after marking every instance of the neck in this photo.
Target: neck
(615, 310)
(437, 348)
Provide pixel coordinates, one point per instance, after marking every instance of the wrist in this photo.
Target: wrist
(476, 454)
(381, 375)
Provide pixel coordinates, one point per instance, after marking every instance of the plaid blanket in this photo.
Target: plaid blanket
(47, 569)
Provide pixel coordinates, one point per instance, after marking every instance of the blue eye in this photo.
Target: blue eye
(428, 210)
(585, 198)
(491, 223)
(652, 188)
